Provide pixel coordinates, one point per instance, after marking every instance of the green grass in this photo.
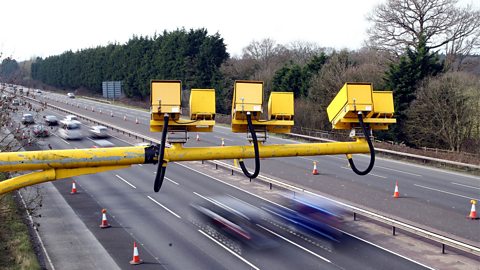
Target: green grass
(16, 251)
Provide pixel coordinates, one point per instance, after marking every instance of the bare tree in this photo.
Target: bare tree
(13, 137)
(400, 24)
(267, 57)
(445, 113)
(301, 52)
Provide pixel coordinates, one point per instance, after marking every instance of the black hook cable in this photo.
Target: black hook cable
(161, 169)
(370, 146)
(255, 148)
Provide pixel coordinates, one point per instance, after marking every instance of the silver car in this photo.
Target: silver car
(99, 132)
(27, 118)
(51, 120)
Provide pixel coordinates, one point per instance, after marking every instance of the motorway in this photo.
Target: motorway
(172, 238)
(441, 198)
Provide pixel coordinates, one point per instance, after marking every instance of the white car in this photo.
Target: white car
(71, 95)
(71, 117)
(99, 132)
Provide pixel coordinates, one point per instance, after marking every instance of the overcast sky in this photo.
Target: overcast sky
(42, 28)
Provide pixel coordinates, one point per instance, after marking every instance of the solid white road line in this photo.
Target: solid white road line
(164, 207)
(464, 185)
(229, 250)
(443, 191)
(201, 196)
(387, 250)
(37, 234)
(119, 177)
(295, 244)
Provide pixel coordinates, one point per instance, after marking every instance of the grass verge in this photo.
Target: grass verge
(16, 251)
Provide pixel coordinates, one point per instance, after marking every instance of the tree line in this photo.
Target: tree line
(191, 56)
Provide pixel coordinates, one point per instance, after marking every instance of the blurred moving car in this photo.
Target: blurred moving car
(70, 130)
(16, 102)
(51, 120)
(236, 219)
(102, 144)
(27, 118)
(40, 131)
(99, 132)
(71, 95)
(142, 144)
(312, 215)
(71, 117)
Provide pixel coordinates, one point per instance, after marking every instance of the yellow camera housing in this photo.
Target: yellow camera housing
(165, 97)
(352, 98)
(248, 97)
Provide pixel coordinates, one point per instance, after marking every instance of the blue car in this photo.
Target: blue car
(312, 215)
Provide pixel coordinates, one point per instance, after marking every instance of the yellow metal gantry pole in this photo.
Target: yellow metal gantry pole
(51, 165)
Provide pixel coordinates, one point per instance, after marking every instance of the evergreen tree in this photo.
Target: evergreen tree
(8, 68)
(295, 78)
(193, 57)
(404, 78)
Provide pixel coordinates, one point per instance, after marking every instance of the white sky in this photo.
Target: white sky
(48, 27)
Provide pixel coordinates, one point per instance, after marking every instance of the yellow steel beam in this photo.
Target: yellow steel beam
(49, 175)
(74, 158)
(179, 153)
(118, 156)
(57, 164)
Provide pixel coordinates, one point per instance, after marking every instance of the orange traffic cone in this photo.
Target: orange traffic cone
(223, 142)
(315, 171)
(396, 194)
(136, 257)
(74, 188)
(473, 211)
(198, 137)
(136, 120)
(104, 223)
